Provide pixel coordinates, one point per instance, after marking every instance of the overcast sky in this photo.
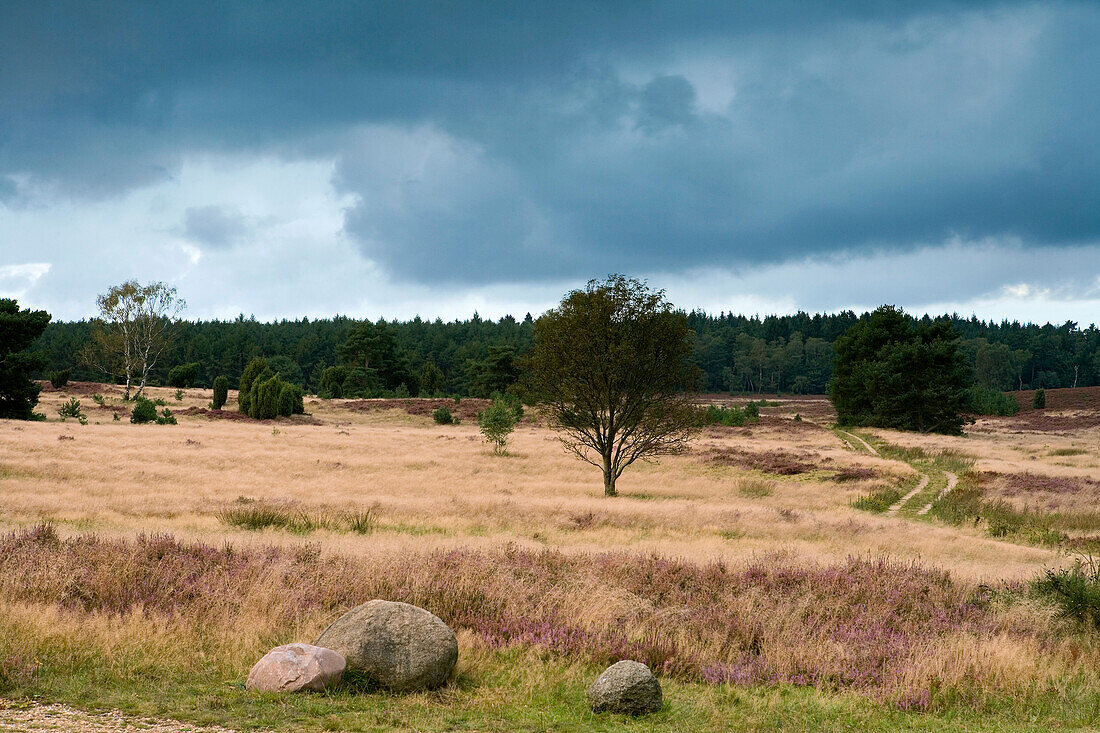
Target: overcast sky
(402, 158)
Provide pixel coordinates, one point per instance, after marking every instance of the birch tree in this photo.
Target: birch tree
(133, 329)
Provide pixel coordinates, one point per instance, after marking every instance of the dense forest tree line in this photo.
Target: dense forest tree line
(736, 353)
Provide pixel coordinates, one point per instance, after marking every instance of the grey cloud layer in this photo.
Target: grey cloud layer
(491, 142)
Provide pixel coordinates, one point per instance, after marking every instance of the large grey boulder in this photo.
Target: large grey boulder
(294, 667)
(397, 645)
(626, 687)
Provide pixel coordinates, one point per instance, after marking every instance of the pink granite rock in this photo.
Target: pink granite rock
(294, 667)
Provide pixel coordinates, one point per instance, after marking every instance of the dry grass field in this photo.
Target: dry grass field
(744, 570)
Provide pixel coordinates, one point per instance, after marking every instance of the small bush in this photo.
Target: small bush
(730, 417)
(442, 416)
(144, 411)
(752, 410)
(221, 392)
(99, 399)
(1039, 401)
(497, 421)
(166, 417)
(72, 409)
(60, 378)
(184, 375)
(179, 395)
(1075, 591)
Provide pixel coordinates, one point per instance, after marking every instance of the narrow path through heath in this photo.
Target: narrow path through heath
(952, 481)
(861, 441)
(16, 716)
(924, 479)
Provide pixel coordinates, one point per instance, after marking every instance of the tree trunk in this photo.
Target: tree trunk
(608, 478)
(127, 397)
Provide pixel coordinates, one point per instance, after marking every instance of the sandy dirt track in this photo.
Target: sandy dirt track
(16, 716)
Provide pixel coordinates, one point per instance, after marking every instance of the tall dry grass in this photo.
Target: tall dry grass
(441, 487)
(897, 631)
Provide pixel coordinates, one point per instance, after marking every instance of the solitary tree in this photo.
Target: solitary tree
(610, 368)
(19, 329)
(133, 330)
(891, 373)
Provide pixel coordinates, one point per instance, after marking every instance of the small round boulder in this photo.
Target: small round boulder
(294, 667)
(396, 645)
(626, 687)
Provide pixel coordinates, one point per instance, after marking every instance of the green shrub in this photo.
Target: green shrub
(99, 399)
(265, 398)
(184, 375)
(255, 370)
(72, 409)
(442, 416)
(290, 399)
(984, 401)
(332, 382)
(60, 378)
(144, 411)
(511, 400)
(497, 421)
(752, 411)
(166, 417)
(221, 392)
(179, 395)
(731, 417)
(1075, 591)
(1040, 399)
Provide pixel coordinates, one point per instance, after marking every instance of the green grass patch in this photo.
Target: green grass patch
(518, 690)
(879, 501)
(257, 516)
(1068, 452)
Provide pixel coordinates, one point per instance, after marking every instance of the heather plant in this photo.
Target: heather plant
(60, 378)
(497, 421)
(221, 392)
(874, 626)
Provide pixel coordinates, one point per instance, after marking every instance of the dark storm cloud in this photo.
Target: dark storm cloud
(501, 141)
(214, 226)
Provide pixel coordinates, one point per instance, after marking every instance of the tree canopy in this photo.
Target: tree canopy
(892, 373)
(19, 329)
(610, 368)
